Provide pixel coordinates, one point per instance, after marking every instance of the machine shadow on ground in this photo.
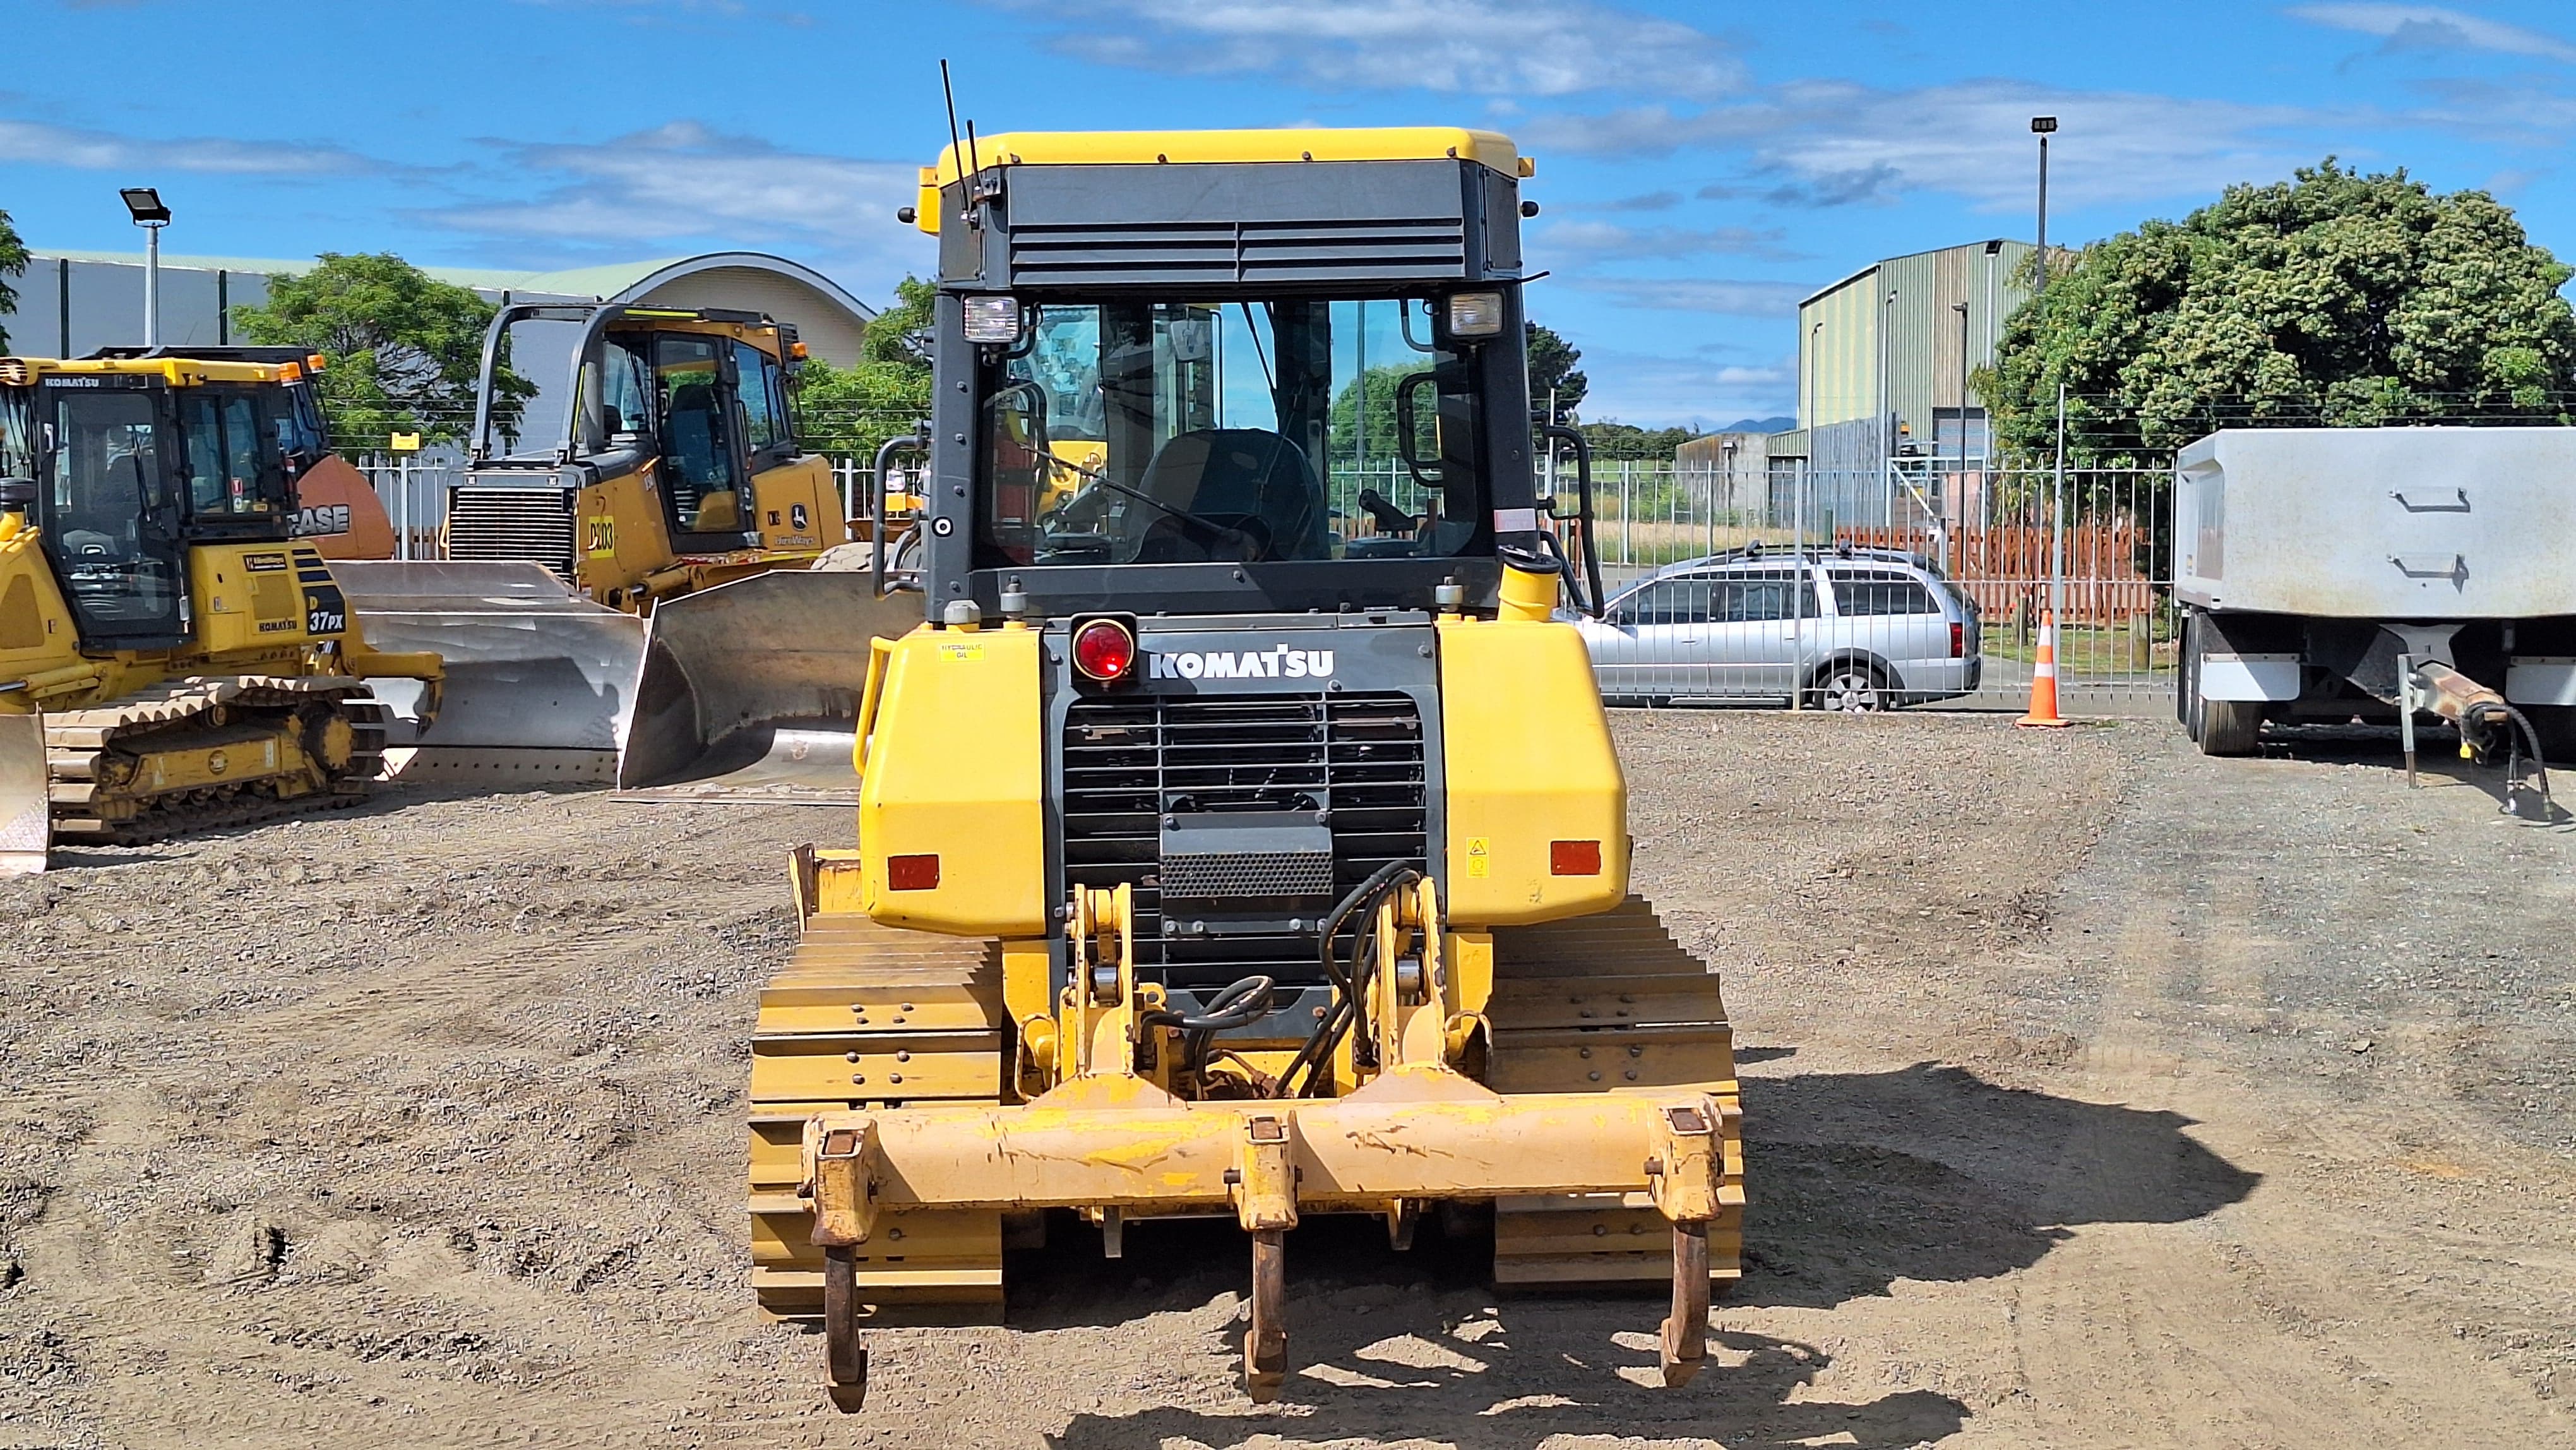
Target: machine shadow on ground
(387, 799)
(1857, 1180)
(2437, 760)
(1396, 1379)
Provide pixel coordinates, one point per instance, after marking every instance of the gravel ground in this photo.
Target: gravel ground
(2098, 1095)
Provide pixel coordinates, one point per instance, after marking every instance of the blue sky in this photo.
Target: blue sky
(1700, 166)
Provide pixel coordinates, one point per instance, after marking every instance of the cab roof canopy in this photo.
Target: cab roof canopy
(1149, 148)
(178, 369)
(1378, 208)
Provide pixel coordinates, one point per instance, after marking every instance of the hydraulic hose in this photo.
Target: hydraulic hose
(1240, 1005)
(2522, 737)
(1319, 1044)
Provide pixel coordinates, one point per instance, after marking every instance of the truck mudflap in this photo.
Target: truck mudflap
(1416, 1135)
(26, 810)
(749, 692)
(539, 680)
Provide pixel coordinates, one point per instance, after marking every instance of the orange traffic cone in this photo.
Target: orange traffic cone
(2043, 680)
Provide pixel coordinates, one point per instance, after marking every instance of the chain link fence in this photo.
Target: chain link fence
(1994, 533)
(2012, 543)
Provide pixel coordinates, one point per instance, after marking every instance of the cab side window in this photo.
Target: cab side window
(236, 470)
(756, 383)
(625, 396)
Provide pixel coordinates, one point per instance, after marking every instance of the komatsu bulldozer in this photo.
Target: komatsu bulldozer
(1223, 850)
(171, 656)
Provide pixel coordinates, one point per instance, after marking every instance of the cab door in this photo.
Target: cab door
(704, 469)
(110, 517)
(794, 503)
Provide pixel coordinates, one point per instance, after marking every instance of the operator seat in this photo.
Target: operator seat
(1233, 476)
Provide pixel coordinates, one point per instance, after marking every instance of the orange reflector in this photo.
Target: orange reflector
(1574, 858)
(912, 873)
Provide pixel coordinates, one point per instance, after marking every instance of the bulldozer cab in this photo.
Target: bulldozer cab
(1330, 416)
(672, 413)
(133, 460)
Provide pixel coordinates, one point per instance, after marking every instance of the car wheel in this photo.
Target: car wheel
(1851, 689)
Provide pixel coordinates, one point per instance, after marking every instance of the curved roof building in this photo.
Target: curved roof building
(70, 303)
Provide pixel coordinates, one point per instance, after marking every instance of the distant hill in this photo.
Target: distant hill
(1760, 425)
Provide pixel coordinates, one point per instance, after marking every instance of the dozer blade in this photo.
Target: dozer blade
(26, 813)
(750, 690)
(539, 679)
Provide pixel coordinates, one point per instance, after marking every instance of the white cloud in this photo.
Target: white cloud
(1475, 47)
(1734, 298)
(1654, 391)
(1607, 241)
(2434, 27)
(34, 143)
(1829, 142)
(683, 182)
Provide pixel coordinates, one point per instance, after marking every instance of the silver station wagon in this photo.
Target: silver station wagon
(1836, 629)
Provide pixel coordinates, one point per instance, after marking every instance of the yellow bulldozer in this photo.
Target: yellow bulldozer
(664, 464)
(1220, 849)
(172, 656)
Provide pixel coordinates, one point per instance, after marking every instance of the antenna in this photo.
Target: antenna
(965, 160)
(956, 148)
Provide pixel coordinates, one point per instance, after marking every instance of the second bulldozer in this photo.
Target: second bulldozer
(1220, 849)
(172, 657)
(664, 463)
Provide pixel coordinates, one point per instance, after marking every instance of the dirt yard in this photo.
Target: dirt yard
(2098, 1095)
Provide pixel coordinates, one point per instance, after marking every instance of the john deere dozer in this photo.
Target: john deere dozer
(171, 656)
(1222, 849)
(664, 464)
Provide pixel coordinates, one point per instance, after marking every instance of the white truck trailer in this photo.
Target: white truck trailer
(2309, 560)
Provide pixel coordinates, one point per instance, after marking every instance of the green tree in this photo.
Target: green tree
(404, 349)
(1378, 386)
(2336, 297)
(1551, 367)
(1615, 440)
(13, 263)
(852, 410)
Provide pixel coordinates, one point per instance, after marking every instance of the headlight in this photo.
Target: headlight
(1476, 314)
(992, 319)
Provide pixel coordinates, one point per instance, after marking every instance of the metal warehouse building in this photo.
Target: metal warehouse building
(1890, 430)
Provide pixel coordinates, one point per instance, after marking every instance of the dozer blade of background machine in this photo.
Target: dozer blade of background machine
(539, 679)
(750, 690)
(26, 812)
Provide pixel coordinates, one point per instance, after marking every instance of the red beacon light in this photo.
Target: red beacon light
(1104, 650)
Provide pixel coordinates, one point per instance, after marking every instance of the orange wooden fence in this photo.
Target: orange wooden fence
(2006, 568)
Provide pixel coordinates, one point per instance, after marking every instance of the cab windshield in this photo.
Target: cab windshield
(1170, 432)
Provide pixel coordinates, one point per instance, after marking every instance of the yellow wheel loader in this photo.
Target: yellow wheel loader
(171, 656)
(1219, 852)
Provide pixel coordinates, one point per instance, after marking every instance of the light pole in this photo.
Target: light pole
(145, 203)
(1961, 308)
(2042, 126)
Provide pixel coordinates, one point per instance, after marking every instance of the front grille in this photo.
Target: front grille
(1249, 874)
(518, 525)
(1238, 251)
(1129, 760)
